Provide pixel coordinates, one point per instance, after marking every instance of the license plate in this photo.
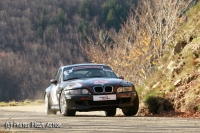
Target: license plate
(104, 97)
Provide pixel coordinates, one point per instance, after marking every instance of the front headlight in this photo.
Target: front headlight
(79, 91)
(124, 89)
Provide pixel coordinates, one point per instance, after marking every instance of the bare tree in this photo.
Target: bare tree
(161, 19)
(142, 39)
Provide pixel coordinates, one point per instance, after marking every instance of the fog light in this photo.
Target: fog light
(84, 91)
(120, 90)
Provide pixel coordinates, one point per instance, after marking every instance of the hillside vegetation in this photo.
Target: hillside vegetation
(175, 83)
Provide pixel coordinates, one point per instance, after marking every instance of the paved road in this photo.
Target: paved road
(33, 119)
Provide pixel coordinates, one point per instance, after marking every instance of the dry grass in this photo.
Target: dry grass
(21, 103)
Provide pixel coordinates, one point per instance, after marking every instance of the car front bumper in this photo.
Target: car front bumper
(87, 103)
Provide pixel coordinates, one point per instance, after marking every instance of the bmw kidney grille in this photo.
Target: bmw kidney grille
(103, 89)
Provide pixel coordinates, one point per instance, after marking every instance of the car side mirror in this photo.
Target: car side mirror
(121, 77)
(53, 81)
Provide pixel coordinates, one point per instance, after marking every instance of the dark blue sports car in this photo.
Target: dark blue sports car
(90, 87)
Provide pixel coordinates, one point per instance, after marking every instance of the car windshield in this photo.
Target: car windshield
(72, 73)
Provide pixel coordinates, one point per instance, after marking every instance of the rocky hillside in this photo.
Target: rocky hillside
(175, 86)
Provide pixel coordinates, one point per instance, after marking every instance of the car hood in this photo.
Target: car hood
(91, 82)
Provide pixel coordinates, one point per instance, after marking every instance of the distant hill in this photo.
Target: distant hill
(39, 36)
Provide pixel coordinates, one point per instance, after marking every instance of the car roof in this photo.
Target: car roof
(84, 64)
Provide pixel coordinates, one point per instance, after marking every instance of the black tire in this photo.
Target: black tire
(47, 107)
(63, 106)
(111, 112)
(129, 111)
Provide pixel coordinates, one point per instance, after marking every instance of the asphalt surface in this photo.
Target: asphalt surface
(33, 119)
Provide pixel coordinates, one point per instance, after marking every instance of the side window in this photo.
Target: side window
(58, 75)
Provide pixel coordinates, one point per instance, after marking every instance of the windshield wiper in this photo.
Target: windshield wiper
(71, 78)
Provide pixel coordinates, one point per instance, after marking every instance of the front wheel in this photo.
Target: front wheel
(47, 106)
(63, 106)
(129, 111)
(111, 112)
